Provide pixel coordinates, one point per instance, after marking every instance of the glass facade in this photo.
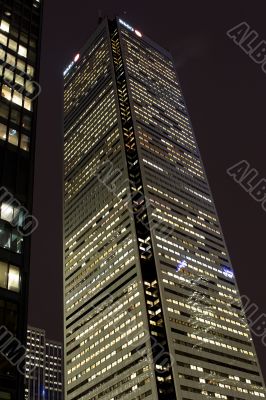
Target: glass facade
(152, 309)
(19, 66)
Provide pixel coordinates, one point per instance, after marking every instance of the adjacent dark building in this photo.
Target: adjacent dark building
(152, 308)
(20, 26)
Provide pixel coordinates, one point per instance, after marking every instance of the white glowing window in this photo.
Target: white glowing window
(6, 212)
(13, 278)
(22, 51)
(4, 26)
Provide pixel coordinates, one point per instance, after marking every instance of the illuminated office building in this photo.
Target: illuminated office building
(152, 310)
(19, 70)
(44, 376)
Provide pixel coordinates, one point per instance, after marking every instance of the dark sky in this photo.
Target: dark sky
(225, 92)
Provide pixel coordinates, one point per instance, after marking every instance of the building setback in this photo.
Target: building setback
(19, 70)
(44, 366)
(152, 309)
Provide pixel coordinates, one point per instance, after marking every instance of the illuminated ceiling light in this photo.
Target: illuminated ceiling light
(138, 33)
(226, 271)
(71, 64)
(126, 25)
(181, 265)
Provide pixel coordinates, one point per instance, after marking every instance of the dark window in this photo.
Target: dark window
(3, 110)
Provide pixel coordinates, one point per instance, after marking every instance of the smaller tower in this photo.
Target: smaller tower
(44, 367)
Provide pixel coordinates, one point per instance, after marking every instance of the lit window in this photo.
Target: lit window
(6, 92)
(2, 54)
(27, 103)
(13, 278)
(2, 132)
(19, 79)
(8, 75)
(3, 274)
(12, 45)
(6, 212)
(3, 39)
(25, 142)
(13, 137)
(21, 65)
(17, 98)
(9, 277)
(30, 70)
(22, 51)
(11, 60)
(29, 87)
(4, 26)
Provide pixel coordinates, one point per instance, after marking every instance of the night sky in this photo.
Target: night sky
(225, 92)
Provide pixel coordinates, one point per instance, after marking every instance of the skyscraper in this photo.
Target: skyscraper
(19, 70)
(152, 309)
(44, 380)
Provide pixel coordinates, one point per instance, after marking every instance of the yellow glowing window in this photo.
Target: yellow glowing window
(9, 277)
(8, 75)
(6, 92)
(29, 87)
(27, 104)
(10, 60)
(12, 45)
(19, 79)
(3, 274)
(25, 143)
(13, 278)
(17, 98)
(21, 65)
(3, 39)
(2, 132)
(2, 54)
(13, 136)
